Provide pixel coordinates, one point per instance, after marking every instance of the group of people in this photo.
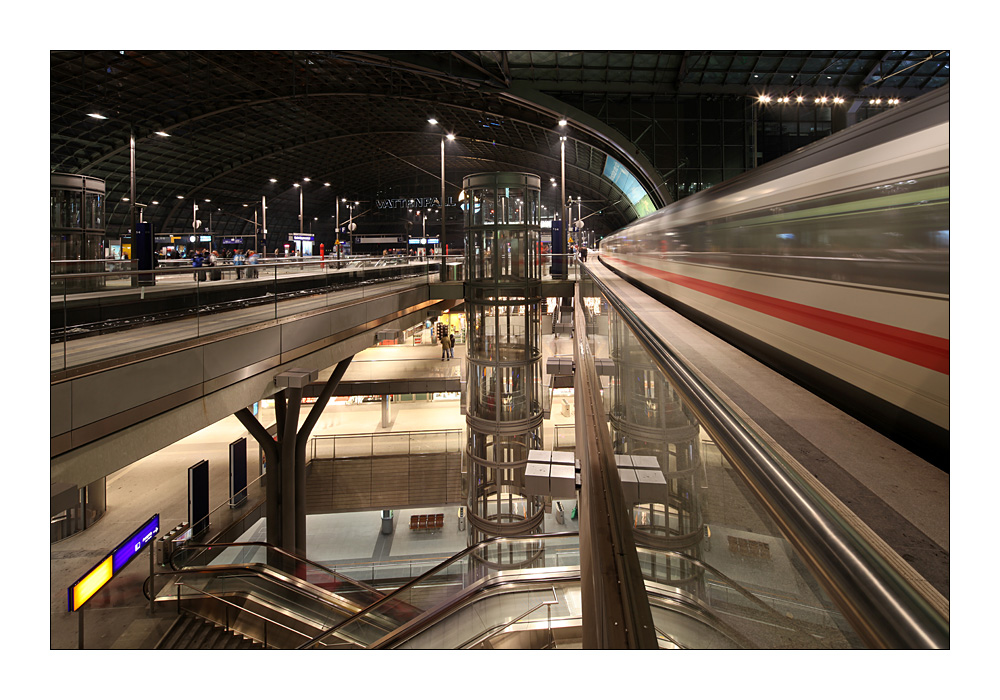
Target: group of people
(448, 347)
(205, 258)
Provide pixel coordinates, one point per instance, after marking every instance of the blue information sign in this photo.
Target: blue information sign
(130, 548)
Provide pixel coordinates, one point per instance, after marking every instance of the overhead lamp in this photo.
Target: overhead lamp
(295, 184)
(161, 133)
(273, 180)
(800, 98)
(155, 202)
(450, 137)
(124, 199)
(246, 205)
(305, 179)
(563, 122)
(208, 200)
(180, 196)
(432, 120)
(326, 184)
(95, 115)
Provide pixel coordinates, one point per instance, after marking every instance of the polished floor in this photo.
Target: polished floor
(116, 618)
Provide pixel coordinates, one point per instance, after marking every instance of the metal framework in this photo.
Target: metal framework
(358, 121)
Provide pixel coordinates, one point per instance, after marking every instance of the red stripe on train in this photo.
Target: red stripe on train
(918, 348)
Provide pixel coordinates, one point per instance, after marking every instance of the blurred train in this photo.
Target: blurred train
(830, 263)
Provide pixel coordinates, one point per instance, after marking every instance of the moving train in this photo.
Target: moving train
(830, 263)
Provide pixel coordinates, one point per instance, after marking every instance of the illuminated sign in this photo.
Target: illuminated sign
(127, 550)
(300, 237)
(410, 203)
(424, 241)
(91, 582)
(81, 591)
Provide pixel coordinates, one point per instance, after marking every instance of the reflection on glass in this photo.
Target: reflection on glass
(718, 571)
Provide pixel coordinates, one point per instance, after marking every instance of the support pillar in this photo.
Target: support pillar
(286, 458)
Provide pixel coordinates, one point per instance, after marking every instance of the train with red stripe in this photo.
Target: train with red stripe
(830, 263)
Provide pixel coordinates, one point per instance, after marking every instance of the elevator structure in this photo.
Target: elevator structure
(504, 390)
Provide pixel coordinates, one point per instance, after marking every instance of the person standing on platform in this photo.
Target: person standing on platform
(451, 346)
(252, 260)
(445, 347)
(196, 262)
(238, 262)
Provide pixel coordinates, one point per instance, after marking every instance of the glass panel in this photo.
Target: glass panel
(704, 542)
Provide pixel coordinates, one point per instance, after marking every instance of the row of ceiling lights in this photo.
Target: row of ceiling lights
(876, 101)
(432, 121)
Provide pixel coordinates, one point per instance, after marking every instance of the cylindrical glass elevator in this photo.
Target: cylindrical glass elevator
(649, 420)
(504, 390)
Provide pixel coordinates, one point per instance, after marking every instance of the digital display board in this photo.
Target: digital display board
(198, 497)
(237, 472)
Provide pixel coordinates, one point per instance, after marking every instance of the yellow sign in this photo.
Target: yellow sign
(82, 590)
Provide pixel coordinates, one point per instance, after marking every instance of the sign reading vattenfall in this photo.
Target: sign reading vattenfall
(410, 202)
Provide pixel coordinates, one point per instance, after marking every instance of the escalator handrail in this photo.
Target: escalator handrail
(431, 572)
(238, 607)
(271, 547)
(879, 602)
(259, 570)
(499, 628)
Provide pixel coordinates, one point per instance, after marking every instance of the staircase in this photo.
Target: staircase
(189, 632)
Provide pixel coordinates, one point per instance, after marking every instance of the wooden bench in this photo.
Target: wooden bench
(433, 521)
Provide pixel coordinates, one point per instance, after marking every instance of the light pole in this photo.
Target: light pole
(443, 242)
(562, 205)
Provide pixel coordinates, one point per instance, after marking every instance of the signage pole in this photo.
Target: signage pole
(152, 576)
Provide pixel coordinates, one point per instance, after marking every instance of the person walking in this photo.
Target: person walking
(445, 348)
(451, 346)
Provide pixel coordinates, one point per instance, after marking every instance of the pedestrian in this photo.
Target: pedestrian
(445, 347)
(253, 260)
(451, 346)
(583, 253)
(197, 262)
(238, 261)
(213, 262)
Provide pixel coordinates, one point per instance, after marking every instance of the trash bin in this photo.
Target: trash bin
(386, 522)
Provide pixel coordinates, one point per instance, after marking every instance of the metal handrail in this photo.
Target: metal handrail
(498, 629)
(427, 574)
(878, 601)
(616, 608)
(271, 547)
(238, 607)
